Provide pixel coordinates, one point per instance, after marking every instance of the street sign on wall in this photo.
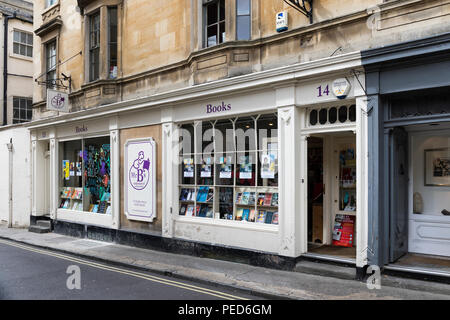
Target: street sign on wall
(140, 179)
(57, 101)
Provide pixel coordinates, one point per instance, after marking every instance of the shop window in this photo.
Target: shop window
(86, 176)
(225, 180)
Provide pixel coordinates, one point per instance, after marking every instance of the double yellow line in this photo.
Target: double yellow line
(217, 294)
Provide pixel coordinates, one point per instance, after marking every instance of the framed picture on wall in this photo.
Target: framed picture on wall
(437, 167)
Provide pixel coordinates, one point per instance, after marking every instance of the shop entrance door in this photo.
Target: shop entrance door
(398, 193)
(315, 191)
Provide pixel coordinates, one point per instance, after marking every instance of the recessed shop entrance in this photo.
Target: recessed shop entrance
(331, 195)
(419, 189)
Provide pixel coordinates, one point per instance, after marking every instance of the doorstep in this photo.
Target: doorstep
(422, 265)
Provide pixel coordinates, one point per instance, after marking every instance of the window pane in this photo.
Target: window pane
(211, 14)
(243, 7)
(23, 49)
(246, 168)
(268, 132)
(343, 114)
(211, 36)
(222, 32)
(323, 116)
(222, 10)
(224, 136)
(245, 134)
(30, 39)
(29, 51)
(243, 28)
(16, 48)
(23, 37)
(16, 36)
(16, 103)
(332, 115)
(97, 175)
(187, 139)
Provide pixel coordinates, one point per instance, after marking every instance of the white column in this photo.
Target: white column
(362, 182)
(54, 174)
(169, 173)
(293, 227)
(115, 178)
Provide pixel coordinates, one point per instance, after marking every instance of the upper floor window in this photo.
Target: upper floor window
(23, 43)
(243, 19)
(22, 109)
(94, 46)
(50, 67)
(214, 22)
(49, 3)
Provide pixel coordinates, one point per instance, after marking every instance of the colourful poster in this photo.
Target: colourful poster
(140, 180)
(343, 231)
(65, 167)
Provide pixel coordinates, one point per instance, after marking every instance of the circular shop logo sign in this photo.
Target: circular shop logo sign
(58, 101)
(139, 173)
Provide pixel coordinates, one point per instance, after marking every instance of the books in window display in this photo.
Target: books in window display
(183, 209)
(187, 194)
(202, 194)
(102, 207)
(190, 210)
(205, 211)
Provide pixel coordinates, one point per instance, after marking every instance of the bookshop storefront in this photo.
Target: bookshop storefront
(272, 163)
(279, 171)
(73, 172)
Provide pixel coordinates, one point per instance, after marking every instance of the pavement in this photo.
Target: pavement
(258, 281)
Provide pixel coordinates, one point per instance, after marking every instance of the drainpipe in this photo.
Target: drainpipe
(5, 67)
(10, 190)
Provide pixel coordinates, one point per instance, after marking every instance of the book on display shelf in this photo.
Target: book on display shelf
(239, 213)
(190, 210)
(275, 218)
(252, 215)
(183, 208)
(238, 197)
(267, 199)
(274, 202)
(261, 197)
(252, 198)
(245, 214)
(245, 197)
(269, 216)
(261, 216)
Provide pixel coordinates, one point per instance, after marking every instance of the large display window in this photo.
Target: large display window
(229, 169)
(85, 177)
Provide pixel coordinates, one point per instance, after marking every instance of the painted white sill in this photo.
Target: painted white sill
(98, 219)
(250, 226)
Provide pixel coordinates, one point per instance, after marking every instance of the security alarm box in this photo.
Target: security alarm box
(282, 21)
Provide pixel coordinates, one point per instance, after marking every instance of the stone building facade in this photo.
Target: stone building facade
(160, 73)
